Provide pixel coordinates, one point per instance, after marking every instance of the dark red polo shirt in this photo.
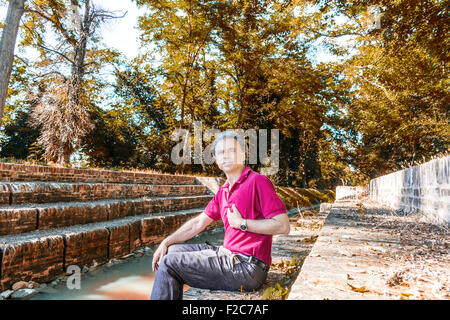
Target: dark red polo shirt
(255, 197)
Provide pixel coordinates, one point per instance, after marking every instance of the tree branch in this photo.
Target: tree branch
(48, 73)
(57, 24)
(57, 52)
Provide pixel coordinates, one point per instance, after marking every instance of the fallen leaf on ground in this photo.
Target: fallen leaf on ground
(356, 289)
(405, 294)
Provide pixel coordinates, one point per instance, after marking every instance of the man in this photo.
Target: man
(251, 212)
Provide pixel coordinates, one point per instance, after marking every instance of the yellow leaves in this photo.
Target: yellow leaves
(406, 295)
(276, 292)
(311, 239)
(356, 289)
(361, 209)
(286, 264)
(290, 268)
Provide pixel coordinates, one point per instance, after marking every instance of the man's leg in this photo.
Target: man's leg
(167, 285)
(205, 269)
(187, 247)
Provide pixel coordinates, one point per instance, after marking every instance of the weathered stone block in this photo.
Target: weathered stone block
(17, 220)
(119, 241)
(114, 210)
(38, 259)
(152, 230)
(135, 235)
(4, 193)
(71, 214)
(86, 246)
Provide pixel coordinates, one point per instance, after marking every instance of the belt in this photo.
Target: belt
(244, 258)
(254, 260)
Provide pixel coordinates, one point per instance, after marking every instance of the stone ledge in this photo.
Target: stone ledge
(22, 172)
(360, 249)
(29, 217)
(12, 193)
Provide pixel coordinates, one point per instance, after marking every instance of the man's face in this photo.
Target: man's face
(229, 154)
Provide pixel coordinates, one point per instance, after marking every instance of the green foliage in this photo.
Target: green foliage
(19, 138)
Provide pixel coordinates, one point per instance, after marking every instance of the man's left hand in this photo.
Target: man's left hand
(234, 217)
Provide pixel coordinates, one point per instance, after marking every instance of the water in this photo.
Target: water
(130, 280)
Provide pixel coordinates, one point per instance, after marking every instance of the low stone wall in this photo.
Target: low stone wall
(349, 193)
(424, 188)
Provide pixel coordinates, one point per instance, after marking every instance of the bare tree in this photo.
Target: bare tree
(61, 114)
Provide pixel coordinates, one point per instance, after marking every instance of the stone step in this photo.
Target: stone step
(49, 192)
(22, 172)
(43, 255)
(23, 218)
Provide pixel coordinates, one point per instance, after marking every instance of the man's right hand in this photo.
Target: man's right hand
(157, 256)
(185, 232)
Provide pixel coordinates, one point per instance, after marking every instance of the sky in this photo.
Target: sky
(121, 34)
(117, 33)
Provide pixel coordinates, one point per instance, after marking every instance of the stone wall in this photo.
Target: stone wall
(423, 189)
(349, 193)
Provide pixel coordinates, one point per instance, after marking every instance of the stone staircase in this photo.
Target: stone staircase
(51, 218)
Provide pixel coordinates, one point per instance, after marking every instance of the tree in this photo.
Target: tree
(181, 31)
(400, 108)
(7, 44)
(134, 131)
(243, 64)
(394, 67)
(62, 112)
(19, 137)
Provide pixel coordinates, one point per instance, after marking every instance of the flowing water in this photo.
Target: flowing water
(132, 279)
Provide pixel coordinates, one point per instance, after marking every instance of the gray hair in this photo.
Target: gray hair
(228, 134)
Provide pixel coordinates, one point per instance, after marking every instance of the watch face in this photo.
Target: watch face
(243, 228)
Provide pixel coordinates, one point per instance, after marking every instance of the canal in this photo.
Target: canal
(129, 279)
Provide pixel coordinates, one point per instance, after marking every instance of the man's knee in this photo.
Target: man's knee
(173, 248)
(168, 260)
(181, 247)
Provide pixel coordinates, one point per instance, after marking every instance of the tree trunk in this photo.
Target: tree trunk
(76, 115)
(7, 44)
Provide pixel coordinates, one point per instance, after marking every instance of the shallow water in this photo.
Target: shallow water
(132, 279)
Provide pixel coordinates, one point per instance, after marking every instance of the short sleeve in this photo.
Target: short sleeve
(269, 201)
(212, 209)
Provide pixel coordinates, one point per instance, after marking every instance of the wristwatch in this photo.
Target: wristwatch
(244, 225)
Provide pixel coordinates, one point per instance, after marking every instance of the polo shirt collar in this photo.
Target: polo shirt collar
(241, 178)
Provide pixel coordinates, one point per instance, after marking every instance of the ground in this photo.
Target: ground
(356, 251)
